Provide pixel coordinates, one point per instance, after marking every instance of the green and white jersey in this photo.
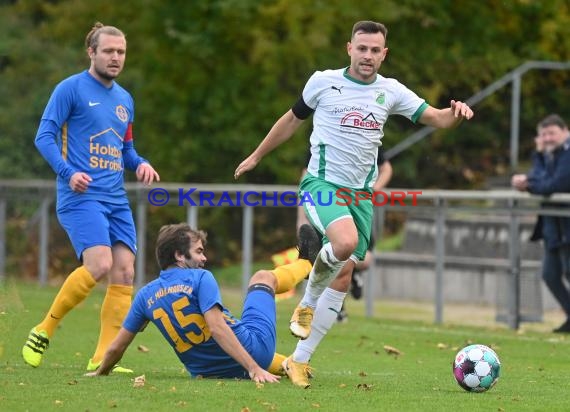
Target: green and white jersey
(348, 123)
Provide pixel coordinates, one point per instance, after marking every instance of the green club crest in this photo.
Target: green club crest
(380, 97)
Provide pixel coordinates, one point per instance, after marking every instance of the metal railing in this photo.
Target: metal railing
(514, 77)
(437, 203)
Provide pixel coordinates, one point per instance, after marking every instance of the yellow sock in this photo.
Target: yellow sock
(289, 275)
(73, 291)
(276, 367)
(113, 311)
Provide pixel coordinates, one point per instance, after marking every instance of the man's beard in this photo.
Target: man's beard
(189, 263)
(104, 75)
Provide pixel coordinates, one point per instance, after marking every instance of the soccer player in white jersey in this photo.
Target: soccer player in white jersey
(350, 107)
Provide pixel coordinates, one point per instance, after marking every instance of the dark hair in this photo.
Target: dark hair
(552, 120)
(176, 238)
(367, 26)
(92, 38)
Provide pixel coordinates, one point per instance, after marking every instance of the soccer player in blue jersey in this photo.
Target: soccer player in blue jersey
(86, 136)
(184, 303)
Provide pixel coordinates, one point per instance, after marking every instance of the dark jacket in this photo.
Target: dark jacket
(546, 177)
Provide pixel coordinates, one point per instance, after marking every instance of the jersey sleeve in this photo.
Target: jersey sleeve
(407, 103)
(131, 158)
(46, 143)
(136, 318)
(208, 292)
(60, 104)
(312, 90)
(56, 113)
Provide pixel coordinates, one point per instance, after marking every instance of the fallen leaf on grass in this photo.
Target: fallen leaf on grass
(73, 382)
(364, 386)
(362, 373)
(143, 349)
(316, 405)
(442, 345)
(58, 402)
(268, 406)
(342, 385)
(139, 381)
(390, 350)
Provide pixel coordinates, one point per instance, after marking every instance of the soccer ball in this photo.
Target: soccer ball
(476, 368)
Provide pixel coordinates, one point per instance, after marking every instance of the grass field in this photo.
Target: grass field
(353, 372)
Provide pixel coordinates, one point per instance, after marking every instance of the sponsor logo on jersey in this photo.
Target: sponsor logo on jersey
(122, 113)
(338, 89)
(347, 109)
(105, 155)
(355, 120)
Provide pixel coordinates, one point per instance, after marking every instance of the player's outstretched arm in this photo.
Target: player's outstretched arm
(281, 131)
(228, 341)
(446, 118)
(114, 353)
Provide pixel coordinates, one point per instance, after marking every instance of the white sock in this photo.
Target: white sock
(328, 306)
(326, 267)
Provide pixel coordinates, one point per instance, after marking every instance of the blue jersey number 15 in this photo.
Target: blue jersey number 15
(195, 321)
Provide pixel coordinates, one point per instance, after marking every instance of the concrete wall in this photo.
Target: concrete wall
(474, 236)
(406, 279)
(476, 269)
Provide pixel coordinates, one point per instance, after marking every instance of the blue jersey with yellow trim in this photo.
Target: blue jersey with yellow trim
(92, 127)
(175, 303)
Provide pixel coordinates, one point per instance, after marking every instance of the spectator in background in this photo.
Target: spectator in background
(550, 173)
